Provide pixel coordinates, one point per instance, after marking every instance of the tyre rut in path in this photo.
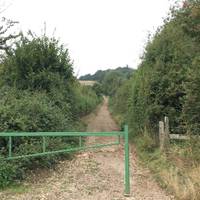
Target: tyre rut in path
(94, 175)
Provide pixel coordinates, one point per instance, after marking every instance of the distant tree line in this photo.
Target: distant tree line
(108, 81)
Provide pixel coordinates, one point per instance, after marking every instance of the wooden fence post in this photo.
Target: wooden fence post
(161, 134)
(166, 132)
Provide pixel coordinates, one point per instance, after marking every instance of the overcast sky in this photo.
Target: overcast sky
(99, 34)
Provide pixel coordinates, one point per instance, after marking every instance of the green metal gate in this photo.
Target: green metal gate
(43, 135)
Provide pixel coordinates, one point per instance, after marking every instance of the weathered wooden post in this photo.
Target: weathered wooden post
(161, 135)
(166, 132)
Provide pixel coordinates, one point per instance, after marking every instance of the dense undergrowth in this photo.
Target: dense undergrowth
(38, 92)
(167, 83)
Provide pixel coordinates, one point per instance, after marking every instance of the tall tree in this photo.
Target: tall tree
(6, 37)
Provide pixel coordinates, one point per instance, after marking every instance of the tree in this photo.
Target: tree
(39, 63)
(6, 38)
(192, 99)
(162, 82)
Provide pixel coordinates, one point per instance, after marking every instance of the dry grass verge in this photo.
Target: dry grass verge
(177, 170)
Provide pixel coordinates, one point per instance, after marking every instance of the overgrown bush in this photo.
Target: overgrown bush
(86, 99)
(38, 92)
(39, 63)
(32, 111)
(167, 83)
(8, 172)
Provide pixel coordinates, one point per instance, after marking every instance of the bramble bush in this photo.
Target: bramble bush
(38, 92)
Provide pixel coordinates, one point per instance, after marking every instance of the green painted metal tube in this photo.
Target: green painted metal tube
(127, 172)
(80, 141)
(62, 151)
(43, 144)
(60, 134)
(119, 139)
(10, 146)
(80, 148)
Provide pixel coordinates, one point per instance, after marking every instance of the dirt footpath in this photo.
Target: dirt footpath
(94, 175)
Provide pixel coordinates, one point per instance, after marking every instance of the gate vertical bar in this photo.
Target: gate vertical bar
(127, 172)
(119, 139)
(43, 144)
(80, 141)
(10, 146)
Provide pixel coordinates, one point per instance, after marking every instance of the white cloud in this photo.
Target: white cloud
(99, 33)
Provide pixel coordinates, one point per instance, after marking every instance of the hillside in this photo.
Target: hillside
(100, 74)
(109, 80)
(87, 83)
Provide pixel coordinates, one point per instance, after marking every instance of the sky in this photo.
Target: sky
(99, 34)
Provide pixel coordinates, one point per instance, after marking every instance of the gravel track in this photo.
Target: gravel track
(93, 175)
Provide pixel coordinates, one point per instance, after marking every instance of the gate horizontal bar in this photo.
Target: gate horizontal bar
(117, 134)
(48, 134)
(61, 151)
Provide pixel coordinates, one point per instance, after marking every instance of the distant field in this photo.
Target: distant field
(91, 83)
